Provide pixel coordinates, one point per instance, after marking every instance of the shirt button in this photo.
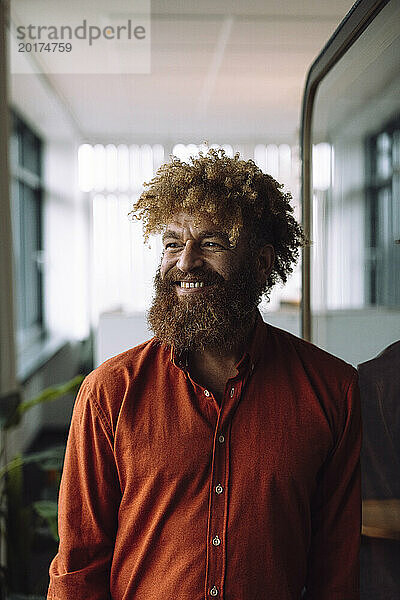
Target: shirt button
(214, 591)
(221, 439)
(219, 489)
(206, 393)
(216, 541)
(232, 392)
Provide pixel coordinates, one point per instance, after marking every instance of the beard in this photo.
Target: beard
(220, 317)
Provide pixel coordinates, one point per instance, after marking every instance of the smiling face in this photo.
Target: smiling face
(198, 255)
(206, 291)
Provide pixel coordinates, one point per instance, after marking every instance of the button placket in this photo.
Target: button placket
(216, 555)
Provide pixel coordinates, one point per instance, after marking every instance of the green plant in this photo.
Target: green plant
(17, 519)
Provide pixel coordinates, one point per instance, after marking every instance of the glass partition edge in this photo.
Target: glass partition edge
(352, 26)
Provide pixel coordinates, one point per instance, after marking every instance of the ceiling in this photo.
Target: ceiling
(221, 71)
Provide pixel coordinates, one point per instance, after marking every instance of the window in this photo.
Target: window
(26, 195)
(383, 185)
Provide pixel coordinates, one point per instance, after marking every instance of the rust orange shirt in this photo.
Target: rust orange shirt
(165, 494)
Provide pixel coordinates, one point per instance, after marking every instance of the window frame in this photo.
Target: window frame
(26, 178)
(376, 185)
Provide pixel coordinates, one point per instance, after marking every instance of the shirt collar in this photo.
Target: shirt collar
(180, 360)
(256, 343)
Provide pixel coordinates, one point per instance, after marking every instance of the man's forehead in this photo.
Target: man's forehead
(196, 222)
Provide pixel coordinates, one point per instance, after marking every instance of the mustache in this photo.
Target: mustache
(209, 277)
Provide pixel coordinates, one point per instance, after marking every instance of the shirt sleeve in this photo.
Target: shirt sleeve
(88, 506)
(333, 561)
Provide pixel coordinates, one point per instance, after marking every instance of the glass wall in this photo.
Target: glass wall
(355, 252)
(354, 263)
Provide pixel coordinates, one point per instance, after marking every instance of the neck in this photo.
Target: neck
(220, 360)
(217, 356)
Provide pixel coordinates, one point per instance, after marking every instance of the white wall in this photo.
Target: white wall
(356, 335)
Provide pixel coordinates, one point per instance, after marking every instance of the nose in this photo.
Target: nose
(190, 257)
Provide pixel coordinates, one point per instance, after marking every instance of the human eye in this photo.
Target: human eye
(213, 245)
(171, 245)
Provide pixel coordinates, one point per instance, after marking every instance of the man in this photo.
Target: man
(221, 458)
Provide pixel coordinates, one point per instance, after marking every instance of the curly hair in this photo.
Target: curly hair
(232, 193)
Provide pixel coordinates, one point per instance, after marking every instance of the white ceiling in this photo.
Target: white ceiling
(221, 71)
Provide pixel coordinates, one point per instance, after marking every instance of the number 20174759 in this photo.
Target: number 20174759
(44, 47)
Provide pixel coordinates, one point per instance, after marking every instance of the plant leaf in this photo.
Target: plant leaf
(47, 509)
(51, 393)
(45, 457)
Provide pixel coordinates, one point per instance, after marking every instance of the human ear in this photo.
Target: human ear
(266, 259)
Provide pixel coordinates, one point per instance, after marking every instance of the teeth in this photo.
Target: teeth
(192, 284)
